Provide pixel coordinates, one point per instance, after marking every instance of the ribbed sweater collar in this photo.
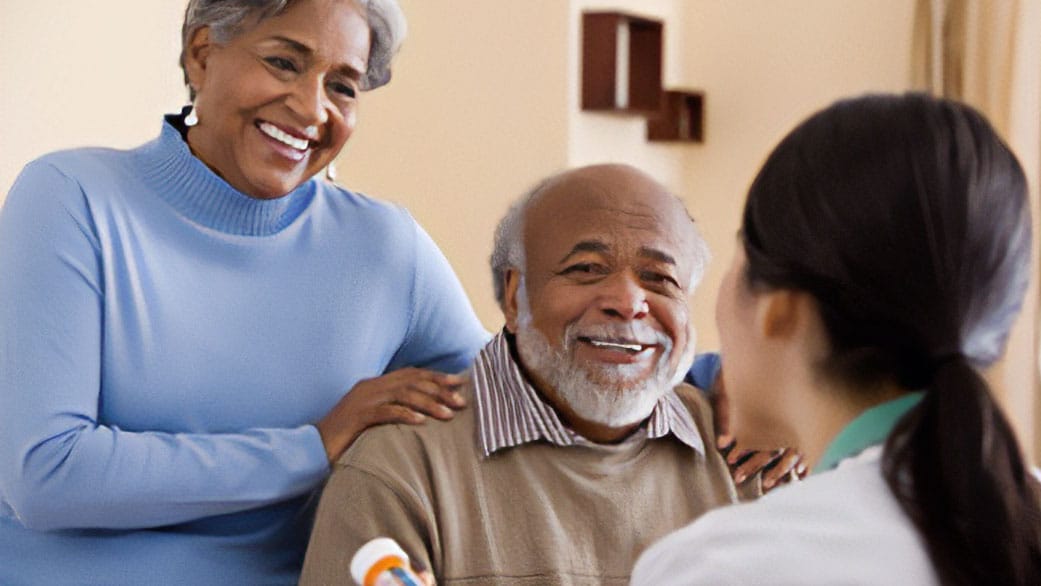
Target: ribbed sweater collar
(199, 194)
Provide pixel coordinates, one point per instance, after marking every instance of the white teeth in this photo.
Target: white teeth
(627, 347)
(274, 132)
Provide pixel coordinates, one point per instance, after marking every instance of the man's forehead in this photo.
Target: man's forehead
(629, 213)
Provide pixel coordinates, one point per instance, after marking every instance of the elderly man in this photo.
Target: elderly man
(580, 450)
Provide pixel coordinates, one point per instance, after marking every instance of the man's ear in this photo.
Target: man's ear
(511, 287)
(196, 54)
(779, 312)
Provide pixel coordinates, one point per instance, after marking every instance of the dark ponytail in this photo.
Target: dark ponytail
(907, 219)
(956, 469)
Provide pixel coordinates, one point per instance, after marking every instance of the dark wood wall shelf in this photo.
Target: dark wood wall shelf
(622, 59)
(621, 63)
(680, 119)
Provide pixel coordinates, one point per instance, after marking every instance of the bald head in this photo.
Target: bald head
(613, 180)
(609, 187)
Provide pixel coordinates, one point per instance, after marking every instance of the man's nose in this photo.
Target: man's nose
(622, 297)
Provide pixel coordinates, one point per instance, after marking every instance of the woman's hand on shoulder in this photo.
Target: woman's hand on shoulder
(409, 395)
(777, 467)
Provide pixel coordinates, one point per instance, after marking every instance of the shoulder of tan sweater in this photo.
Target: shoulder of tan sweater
(699, 406)
(692, 396)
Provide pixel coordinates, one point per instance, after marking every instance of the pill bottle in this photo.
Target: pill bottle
(382, 562)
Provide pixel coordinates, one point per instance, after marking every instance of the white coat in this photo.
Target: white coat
(842, 526)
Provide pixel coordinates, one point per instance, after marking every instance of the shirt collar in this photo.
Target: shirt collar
(870, 428)
(510, 411)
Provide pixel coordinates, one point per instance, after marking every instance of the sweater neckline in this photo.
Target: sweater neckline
(200, 195)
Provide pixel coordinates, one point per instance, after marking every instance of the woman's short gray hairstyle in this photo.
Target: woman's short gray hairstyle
(228, 18)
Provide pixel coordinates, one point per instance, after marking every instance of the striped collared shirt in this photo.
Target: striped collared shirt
(510, 412)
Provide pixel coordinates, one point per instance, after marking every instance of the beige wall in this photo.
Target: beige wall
(1018, 374)
(84, 73)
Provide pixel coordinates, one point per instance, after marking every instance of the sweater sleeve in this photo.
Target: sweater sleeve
(60, 468)
(356, 507)
(444, 333)
(704, 372)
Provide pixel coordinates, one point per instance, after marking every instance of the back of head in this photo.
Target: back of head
(907, 219)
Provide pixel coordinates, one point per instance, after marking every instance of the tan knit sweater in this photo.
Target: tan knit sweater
(531, 514)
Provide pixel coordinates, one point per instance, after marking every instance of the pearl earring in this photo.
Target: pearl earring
(330, 172)
(192, 118)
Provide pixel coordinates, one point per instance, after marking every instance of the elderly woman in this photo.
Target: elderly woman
(885, 251)
(181, 322)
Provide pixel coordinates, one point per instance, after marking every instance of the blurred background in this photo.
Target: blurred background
(485, 101)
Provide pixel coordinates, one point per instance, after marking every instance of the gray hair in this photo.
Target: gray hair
(508, 249)
(229, 18)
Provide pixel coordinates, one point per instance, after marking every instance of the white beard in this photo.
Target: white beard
(614, 395)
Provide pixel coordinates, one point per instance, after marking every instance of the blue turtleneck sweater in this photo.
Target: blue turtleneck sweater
(166, 344)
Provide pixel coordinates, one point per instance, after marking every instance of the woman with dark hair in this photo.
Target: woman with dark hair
(192, 330)
(884, 254)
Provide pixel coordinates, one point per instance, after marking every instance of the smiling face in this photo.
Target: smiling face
(277, 102)
(609, 258)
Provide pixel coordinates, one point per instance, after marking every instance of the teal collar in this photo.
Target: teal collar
(869, 428)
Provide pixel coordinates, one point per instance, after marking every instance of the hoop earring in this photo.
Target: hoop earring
(192, 118)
